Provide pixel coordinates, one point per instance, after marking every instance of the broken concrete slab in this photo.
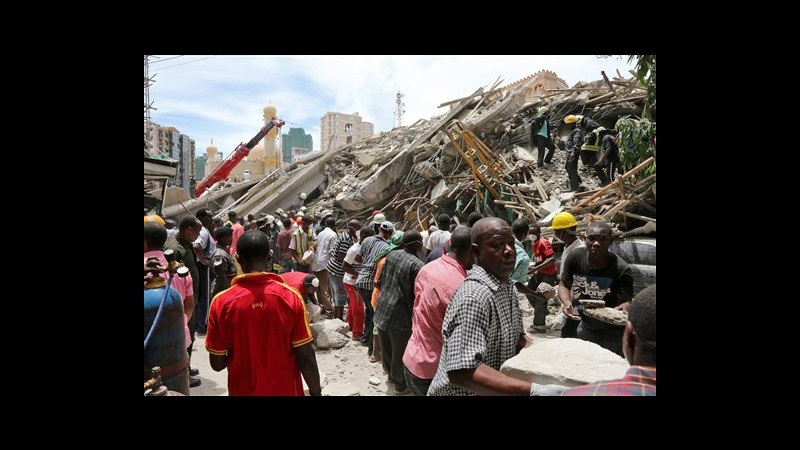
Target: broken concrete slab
(336, 325)
(325, 338)
(565, 361)
(439, 190)
(523, 154)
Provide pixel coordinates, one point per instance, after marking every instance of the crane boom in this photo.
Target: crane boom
(234, 158)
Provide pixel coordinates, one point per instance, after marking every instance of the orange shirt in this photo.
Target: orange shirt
(258, 322)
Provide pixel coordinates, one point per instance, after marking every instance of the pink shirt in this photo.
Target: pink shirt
(238, 231)
(434, 287)
(182, 285)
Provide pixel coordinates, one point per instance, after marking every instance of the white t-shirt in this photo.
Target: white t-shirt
(438, 239)
(350, 258)
(325, 241)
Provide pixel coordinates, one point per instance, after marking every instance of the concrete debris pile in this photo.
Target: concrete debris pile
(475, 157)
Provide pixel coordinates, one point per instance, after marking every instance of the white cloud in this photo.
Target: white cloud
(223, 97)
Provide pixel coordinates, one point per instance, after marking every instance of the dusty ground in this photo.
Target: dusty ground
(346, 370)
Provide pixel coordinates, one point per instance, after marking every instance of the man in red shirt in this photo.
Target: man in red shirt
(306, 284)
(544, 270)
(258, 329)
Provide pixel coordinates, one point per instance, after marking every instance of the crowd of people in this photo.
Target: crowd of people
(436, 308)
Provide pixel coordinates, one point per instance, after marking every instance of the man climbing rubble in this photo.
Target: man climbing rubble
(540, 136)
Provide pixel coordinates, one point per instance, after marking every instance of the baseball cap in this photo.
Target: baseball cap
(387, 226)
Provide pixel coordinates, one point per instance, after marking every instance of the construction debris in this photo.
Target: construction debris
(475, 157)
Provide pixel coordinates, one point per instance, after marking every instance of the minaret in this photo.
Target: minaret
(271, 153)
(211, 151)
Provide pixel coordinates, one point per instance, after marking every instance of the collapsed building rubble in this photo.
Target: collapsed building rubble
(475, 157)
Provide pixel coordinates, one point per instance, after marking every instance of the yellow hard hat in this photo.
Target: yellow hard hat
(154, 218)
(564, 220)
(570, 119)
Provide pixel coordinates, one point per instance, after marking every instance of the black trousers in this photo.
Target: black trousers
(572, 171)
(543, 143)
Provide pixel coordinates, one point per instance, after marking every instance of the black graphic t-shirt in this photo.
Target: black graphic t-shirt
(596, 284)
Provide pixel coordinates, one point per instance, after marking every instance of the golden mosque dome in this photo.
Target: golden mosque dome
(257, 152)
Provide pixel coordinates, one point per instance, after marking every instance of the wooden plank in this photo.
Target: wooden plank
(599, 99)
(619, 179)
(522, 201)
(573, 90)
(637, 216)
(608, 215)
(610, 86)
(627, 99)
(584, 209)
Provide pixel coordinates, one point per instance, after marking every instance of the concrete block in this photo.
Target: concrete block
(325, 338)
(365, 159)
(337, 326)
(523, 154)
(565, 361)
(439, 190)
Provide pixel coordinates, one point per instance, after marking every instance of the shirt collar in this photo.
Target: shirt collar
(454, 262)
(480, 274)
(642, 374)
(257, 278)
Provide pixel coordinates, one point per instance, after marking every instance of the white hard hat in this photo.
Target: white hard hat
(303, 196)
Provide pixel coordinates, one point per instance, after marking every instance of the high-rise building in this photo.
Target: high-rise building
(334, 133)
(200, 167)
(168, 141)
(296, 137)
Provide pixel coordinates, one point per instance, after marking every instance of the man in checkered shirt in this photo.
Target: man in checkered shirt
(483, 324)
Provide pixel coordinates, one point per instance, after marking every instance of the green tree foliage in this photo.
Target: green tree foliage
(635, 142)
(646, 74)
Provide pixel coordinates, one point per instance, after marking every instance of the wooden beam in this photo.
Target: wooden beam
(600, 98)
(574, 89)
(627, 99)
(619, 179)
(608, 215)
(610, 86)
(636, 216)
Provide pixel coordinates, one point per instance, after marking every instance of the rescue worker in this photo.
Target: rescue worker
(540, 136)
(573, 143)
(565, 228)
(591, 147)
(609, 155)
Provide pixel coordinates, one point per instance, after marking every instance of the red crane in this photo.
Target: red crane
(234, 158)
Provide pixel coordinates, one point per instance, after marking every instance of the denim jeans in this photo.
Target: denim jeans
(338, 295)
(366, 296)
(201, 304)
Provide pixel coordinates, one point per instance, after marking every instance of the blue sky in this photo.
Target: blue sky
(222, 97)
